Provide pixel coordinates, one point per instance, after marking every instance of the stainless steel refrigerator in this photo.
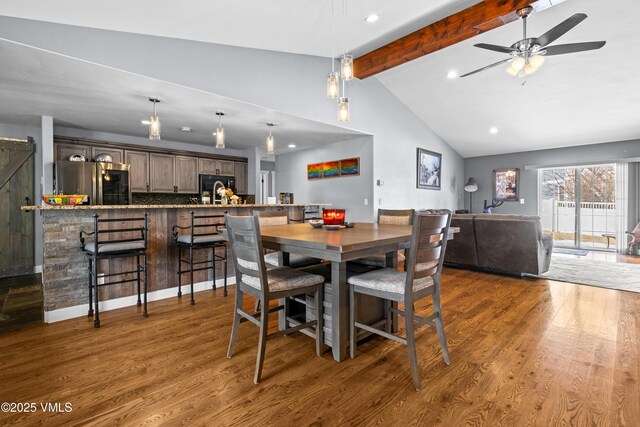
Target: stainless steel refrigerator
(104, 183)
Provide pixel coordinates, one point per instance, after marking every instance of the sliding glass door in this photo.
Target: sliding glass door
(578, 206)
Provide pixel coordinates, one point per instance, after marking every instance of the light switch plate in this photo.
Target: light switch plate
(522, 201)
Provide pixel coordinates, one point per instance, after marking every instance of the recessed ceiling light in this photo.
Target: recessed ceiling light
(291, 145)
(493, 130)
(145, 122)
(372, 18)
(185, 129)
(452, 74)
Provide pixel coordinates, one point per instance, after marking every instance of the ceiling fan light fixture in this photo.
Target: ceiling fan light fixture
(513, 71)
(518, 63)
(530, 68)
(536, 60)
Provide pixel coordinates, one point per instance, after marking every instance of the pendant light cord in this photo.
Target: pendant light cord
(333, 61)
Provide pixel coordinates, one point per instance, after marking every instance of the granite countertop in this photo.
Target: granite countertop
(104, 207)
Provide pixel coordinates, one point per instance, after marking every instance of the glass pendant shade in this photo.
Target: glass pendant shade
(333, 86)
(154, 128)
(512, 71)
(346, 67)
(270, 144)
(220, 137)
(343, 110)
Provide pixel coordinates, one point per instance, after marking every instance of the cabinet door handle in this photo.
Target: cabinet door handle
(175, 188)
(147, 186)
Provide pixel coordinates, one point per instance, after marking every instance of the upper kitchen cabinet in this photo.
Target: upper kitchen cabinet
(64, 151)
(138, 171)
(162, 173)
(217, 167)
(186, 174)
(241, 177)
(116, 155)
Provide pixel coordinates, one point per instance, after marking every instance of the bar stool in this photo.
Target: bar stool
(203, 234)
(130, 241)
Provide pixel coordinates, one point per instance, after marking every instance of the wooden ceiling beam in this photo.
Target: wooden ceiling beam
(477, 19)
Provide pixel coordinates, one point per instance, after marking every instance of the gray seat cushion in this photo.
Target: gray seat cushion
(284, 278)
(295, 260)
(209, 238)
(388, 280)
(114, 247)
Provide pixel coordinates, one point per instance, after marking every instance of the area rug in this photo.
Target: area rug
(567, 251)
(603, 274)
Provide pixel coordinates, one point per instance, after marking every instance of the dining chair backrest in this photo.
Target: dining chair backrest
(428, 245)
(395, 216)
(243, 233)
(272, 217)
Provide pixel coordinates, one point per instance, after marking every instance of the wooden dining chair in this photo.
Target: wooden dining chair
(267, 218)
(253, 278)
(391, 217)
(420, 280)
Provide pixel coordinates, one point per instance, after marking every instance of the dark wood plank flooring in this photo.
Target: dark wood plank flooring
(20, 302)
(524, 352)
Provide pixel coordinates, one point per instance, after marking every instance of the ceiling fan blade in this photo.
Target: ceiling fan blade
(561, 49)
(560, 29)
(496, 48)
(488, 66)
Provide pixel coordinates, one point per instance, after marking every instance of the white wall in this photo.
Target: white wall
(343, 192)
(293, 84)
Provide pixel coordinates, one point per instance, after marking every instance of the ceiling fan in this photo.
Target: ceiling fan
(527, 55)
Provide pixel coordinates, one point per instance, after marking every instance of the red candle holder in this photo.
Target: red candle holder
(333, 216)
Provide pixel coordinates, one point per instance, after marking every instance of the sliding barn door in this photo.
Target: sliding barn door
(16, 189)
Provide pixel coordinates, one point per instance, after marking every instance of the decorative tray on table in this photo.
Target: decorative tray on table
(334, 227)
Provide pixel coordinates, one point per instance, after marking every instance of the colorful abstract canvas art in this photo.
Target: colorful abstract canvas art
(314, 170)
(331, 169)
(350, 166)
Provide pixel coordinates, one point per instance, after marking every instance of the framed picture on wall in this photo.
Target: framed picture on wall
(314, 170)
(506, 184)
(428, 172)
(350, 167)
(331, 169)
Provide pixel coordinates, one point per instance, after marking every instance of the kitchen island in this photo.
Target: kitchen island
(65, 276)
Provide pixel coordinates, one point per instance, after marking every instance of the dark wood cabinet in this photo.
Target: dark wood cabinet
(186, 174)
(241, 171)
(138, 171)
(162, 169)
(217, 167)
(63, 151)
(116, 155)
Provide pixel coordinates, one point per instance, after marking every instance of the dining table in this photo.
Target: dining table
(337, 246)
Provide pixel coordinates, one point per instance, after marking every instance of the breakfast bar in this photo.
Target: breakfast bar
(64, 270)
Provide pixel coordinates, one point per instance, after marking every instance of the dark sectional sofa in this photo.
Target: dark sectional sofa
(511, 244)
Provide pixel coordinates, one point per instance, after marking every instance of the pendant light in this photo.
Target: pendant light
(346, 67)
(219, 131)
(343, 110)
(270, 141)
(154, 122)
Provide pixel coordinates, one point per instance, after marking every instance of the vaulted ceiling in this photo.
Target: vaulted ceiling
(573, 99)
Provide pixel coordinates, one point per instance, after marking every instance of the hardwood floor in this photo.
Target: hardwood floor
(524, 352)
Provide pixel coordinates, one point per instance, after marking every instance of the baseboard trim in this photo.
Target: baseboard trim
(114, 304)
